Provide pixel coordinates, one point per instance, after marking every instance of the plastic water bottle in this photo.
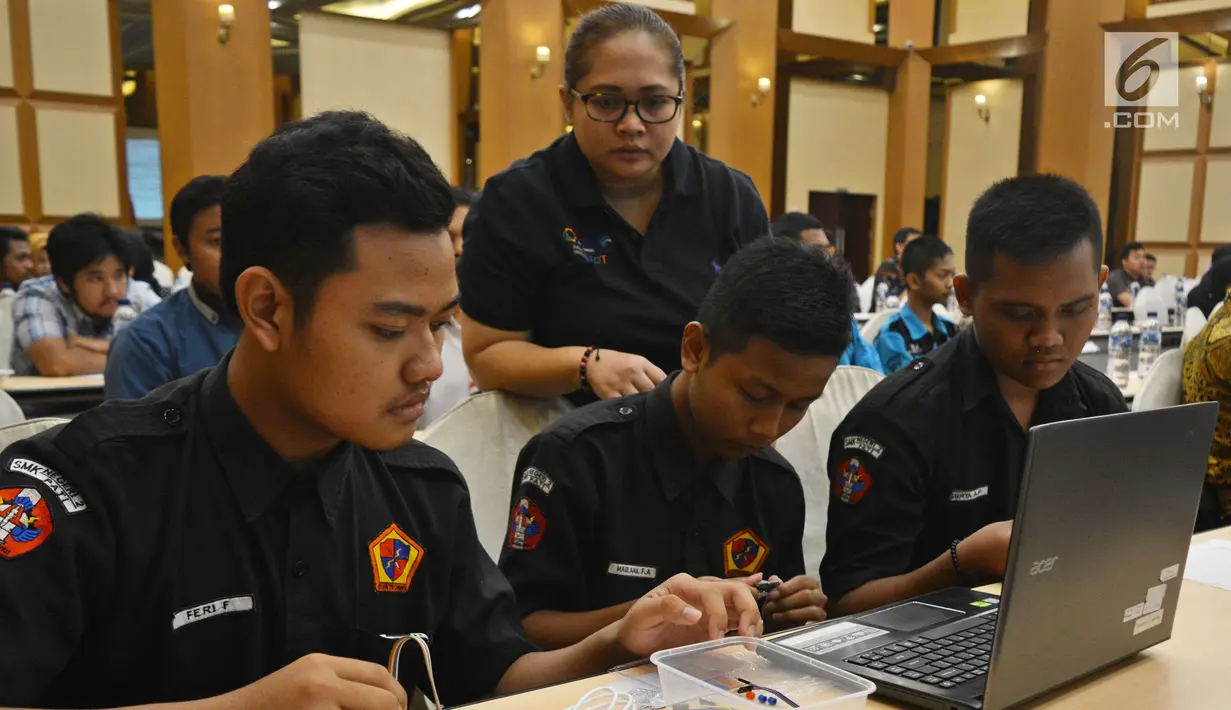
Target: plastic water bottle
(1151, 345)
(1181, 304)
(1104, 310)
(124, 314)
(1134, 289)
(892, 303)
(882, 291)
(1120, 352)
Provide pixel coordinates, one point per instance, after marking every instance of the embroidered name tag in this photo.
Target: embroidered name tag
(864, 444)
(208, 610)
(60, 488)
(959, 496)
(535, 477)
(638, 571)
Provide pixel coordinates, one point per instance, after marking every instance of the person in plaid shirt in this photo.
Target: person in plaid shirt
(62, 323)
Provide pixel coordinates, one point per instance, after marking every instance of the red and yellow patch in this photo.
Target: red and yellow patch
(25, 521)
(743, 553)
(395, 557)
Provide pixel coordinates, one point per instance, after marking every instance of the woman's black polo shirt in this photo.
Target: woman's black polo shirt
(545, 253)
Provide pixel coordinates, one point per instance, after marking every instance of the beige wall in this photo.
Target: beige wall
(1183, 7)
(6, 48)
(77, 164)
(978, 152)
(397, 73)
(979, 20)
(837, 140)
(1183, 135)
(1220, 126)
(1164, 197)
(71, 46)
(843, 19)
(685, 6)
(10, 165)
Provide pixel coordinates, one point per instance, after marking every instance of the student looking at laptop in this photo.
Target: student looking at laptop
(926, 468)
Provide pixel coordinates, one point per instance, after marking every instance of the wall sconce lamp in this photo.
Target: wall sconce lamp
(226, 18)
(764, 85)
(542, 55)
(1204, 91)
(981, 107)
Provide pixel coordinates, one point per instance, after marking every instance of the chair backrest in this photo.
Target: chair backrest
(1194, 322)
(1163, 384)
(1166, 288)
(10, 411)
(483, 435)
(13, 433)
(866, 290)
(807, 448)
(6, 330)
(872, 328)
(1149, 300)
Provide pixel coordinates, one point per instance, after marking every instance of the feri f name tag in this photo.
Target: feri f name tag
(208, 610)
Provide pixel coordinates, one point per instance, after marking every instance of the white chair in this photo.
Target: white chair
(1163, 384)
(6, 330)
(1149, 301)
(13, 433)
(807, 448)
(872, 328)
(1194, 322)
(1166, 288)
(866, 291)
(1216, 308)
(10, 411)
(483, 435)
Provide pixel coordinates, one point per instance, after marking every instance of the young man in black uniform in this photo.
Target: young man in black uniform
(926, 468)
(259, 535)
(622, 494)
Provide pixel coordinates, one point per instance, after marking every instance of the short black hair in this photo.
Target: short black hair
(293, 206)
(922, 253)
(792, 294)
(794, 224)
(82, 240)
(464, 197)
(201, 193)
(598, 26)
(1031, 219)
(1220, 253)
(1151, 257)
(900, 236)
(8, 234)
(1129, 248)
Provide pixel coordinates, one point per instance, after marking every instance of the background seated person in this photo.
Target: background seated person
(1132, 271)
(62, 323)
(926, 469)
(192, 329)
(619, 495)
(1147, 274)
(16, 261)
(890, 270)
(1207, 378)
(916, 329)
(318, 531)
(1211, 290)
(608, 238)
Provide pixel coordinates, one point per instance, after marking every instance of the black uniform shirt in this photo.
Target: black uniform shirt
(609, 501)
(173, 555)
(932, 454)
(546, 253)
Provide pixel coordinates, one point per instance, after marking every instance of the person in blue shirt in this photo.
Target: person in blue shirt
(809, 230)
(916, 329)
(192, 329)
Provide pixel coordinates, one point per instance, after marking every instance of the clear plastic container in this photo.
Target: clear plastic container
(723, 670)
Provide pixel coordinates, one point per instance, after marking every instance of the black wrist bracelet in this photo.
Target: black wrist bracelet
(957, 567)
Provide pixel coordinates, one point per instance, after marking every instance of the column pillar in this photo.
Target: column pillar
(215, 100)
(906, 153)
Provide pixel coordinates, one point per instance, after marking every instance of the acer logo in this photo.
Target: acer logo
(1043, 566)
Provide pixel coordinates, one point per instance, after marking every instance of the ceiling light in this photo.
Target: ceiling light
(376, 9)
(468, 12)
(275, 4)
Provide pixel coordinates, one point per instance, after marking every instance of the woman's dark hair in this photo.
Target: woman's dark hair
(143, 262)
(1212, 289)
(607, 22)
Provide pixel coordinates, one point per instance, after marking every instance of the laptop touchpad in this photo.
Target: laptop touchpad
(910, 617)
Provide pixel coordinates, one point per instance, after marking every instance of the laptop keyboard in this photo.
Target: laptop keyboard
(944, 662)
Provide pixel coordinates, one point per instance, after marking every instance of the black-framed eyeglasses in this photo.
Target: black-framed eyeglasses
(612, 108)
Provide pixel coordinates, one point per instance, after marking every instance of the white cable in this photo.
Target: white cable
(427, 661)
(587, 701)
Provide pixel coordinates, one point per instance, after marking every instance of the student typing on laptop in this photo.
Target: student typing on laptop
(926, 469)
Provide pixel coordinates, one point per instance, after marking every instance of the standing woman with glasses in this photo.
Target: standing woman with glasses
(584, 262)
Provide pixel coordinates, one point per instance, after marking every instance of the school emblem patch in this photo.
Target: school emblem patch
(526, 526)
(25, 521)
(851, 481)
(395, 557)
(743, 554)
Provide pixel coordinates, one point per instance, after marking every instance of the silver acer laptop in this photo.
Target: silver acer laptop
(1102, 531)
